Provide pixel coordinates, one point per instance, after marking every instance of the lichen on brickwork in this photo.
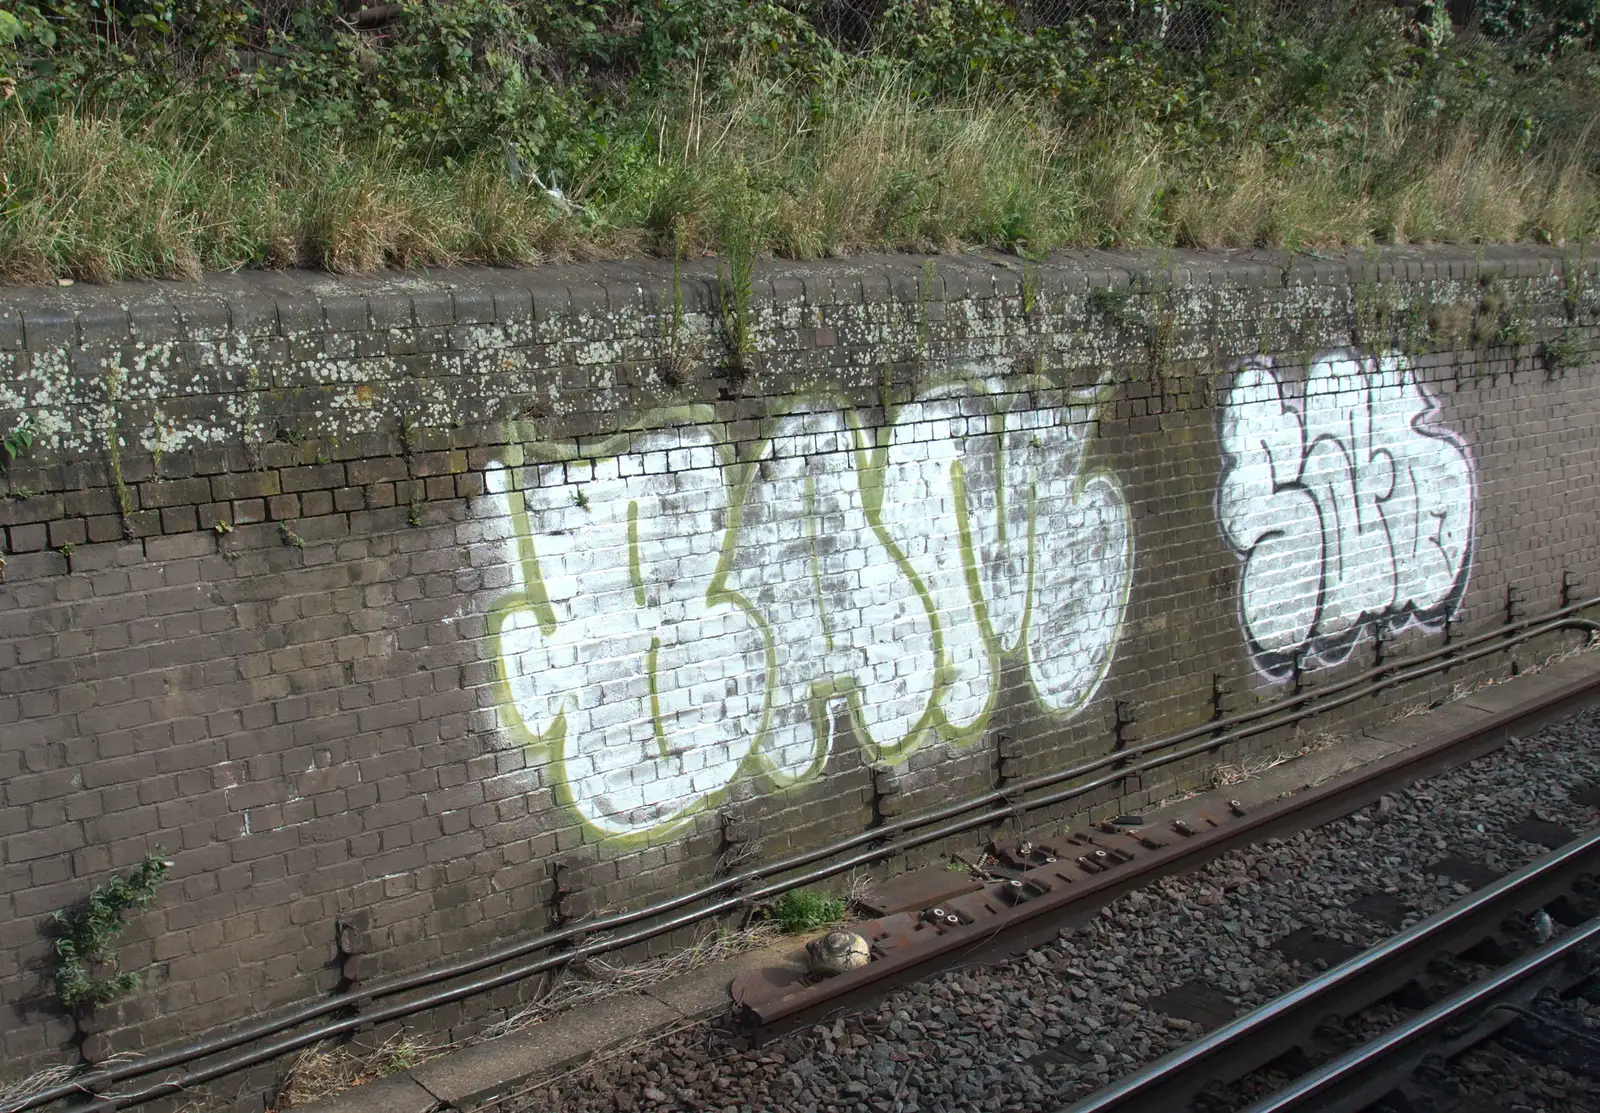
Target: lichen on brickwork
(440, 604)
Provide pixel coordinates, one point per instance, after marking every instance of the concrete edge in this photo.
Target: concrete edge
(290, 302)
(483, 1073)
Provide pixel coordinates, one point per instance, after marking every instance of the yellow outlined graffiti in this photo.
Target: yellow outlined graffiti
(682, 614)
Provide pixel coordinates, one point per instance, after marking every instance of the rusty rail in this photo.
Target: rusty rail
(1091, 867)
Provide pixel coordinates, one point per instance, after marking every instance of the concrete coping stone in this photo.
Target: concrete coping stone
(1502, 697)
(1410, 730)
(263, 303)
(478, 1074)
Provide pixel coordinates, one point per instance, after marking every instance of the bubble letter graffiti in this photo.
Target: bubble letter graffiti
(627, 657)
(1348, 508)
(681, 612)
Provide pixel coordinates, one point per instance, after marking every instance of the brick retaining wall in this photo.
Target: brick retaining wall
(374, 603)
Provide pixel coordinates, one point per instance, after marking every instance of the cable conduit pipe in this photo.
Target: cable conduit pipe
(1382, 677)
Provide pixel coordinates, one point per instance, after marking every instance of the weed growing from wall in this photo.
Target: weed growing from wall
(1449, 325)
(1494, 319)
(86, 970)
(1371, 310)
(113, 381)
(1162, 327)
(406, 426)
(1516, 331)
(251, 419)
(1031, 272)
(930, 275)
(1561, 354)
(17, 443)
(1575, 277)
(674, 364)
(1112, 303)
(735, 272)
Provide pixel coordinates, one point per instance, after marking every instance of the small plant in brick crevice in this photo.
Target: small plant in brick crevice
(673, 366)
(17, 442)
(125, 505)
(1113, 303)
(86, 972)
(745, 223)
(1574, 277)
(1516, 331)
(801, 910)
(1561, 354)
(734, 287)
(1031, 272)
(407, 428)
(290, 537)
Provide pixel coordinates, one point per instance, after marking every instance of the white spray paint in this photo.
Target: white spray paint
(675, 613)
(1349, 508)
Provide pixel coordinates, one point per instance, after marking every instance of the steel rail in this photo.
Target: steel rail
(1349, 1082)
(1258, 1037)
(999, 925)
(1208, 737)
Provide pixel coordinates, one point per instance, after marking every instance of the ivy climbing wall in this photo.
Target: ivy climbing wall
(406, 616)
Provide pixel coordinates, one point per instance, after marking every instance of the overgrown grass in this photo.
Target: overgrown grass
(324, 1070)
(99, 196)
(865, 164)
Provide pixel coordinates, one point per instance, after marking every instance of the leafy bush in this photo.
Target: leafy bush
(88, 937)
(801, 910)
(1544, 27)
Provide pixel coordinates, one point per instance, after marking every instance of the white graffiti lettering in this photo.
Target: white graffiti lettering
(1347, 509)
(677, 612)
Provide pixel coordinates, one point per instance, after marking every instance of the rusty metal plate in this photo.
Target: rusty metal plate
(916, 890)
(1076, 867)
(902, 943)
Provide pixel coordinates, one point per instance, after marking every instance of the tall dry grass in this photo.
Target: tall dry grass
(865, 165)
(98, 196)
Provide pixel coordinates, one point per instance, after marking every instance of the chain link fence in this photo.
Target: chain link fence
(1191, 25)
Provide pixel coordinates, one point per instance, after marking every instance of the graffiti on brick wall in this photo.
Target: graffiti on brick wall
(682, 609)
(1349, 505)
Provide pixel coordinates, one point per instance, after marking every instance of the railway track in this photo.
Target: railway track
(1020, 893)
(1147, 954)
(996, 1018)
(1511, 930)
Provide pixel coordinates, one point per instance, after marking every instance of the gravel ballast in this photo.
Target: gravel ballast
(1034, 1033)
